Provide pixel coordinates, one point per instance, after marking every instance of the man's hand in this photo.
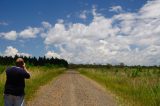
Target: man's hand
(24, 67)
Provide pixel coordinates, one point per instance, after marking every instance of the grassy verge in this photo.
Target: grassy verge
(39, 77)
(135, 88)
(2, 69)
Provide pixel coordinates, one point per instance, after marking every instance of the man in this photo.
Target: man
(15, 84)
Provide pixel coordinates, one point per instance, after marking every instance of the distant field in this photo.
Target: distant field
(133, 86)
(39, 76)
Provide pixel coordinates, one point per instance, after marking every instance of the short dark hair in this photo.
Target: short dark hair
(19, 62)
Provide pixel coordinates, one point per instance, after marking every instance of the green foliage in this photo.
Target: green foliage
(33, 61)
(136, 86)
(135, 73)
(116, 71)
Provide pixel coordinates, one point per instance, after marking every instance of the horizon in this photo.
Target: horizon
(82, 31)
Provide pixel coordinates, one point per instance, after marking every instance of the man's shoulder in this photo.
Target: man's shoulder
(14, 68)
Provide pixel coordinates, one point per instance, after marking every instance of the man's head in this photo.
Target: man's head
(19, 62)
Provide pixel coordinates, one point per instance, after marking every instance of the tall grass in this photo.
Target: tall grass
(2, 69)
(39, 77)
(135, 86)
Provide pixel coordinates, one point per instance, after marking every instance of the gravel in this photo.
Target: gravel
(72, 89)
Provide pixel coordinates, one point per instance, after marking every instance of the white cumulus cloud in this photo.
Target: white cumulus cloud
(12, 35)
(116, 9)
(46, 24)
(51, 54)
(11, 51)
(83, 15)
(151, 9)
(132, 38)
(30, 32)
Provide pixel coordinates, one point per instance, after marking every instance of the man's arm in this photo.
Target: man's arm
(26, 74)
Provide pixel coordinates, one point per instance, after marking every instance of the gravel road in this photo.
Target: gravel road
(72, 89)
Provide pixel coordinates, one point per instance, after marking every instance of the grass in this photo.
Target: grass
(2, 69)
(133, 86)
(39, 77)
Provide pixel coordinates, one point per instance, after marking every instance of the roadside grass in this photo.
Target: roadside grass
(133, 86)
(2, 69)
(39, 77)
(2, 79)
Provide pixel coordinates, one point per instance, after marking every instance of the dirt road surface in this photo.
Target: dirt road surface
(72, 89)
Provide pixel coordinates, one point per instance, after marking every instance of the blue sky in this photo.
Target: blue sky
(82, 31)
(22, 13)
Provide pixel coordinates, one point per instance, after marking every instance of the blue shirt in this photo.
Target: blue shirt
(15, 82)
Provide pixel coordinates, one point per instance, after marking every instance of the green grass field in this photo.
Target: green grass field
(132, 86)
(39, 77)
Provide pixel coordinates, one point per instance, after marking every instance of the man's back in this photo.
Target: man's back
(15, 82)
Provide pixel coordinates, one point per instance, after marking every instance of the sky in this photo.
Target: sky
(82, 31)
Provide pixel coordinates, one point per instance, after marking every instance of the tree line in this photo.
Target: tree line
(33, 61)
(108, 66)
